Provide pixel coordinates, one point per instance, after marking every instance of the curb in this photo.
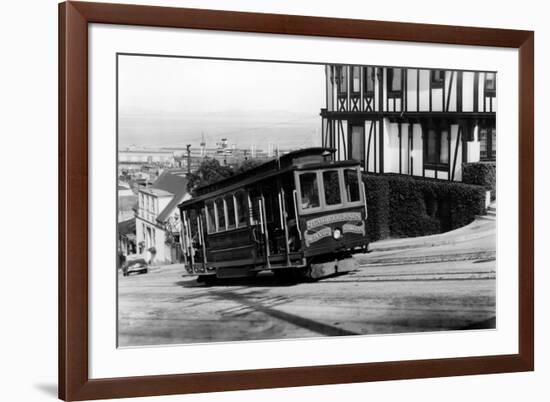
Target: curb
(401, 244)
(382, 262)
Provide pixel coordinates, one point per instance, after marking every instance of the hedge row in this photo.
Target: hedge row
(405, 206)
(482, 174)
(378, 206)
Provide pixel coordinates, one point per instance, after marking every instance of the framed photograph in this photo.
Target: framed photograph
(260, 200)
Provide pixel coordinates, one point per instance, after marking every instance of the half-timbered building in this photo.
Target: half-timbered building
(421, 122)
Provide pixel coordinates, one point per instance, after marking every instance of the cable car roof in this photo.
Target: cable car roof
(307, 158)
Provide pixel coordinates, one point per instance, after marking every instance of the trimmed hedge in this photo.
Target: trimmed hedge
(482, 174)
(378, 206)
(406, 206)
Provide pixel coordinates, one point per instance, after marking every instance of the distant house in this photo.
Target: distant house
(157, 218)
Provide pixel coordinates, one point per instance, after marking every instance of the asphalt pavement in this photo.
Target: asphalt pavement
(435, 283)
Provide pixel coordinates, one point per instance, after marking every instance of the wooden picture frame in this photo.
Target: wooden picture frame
(74, 381)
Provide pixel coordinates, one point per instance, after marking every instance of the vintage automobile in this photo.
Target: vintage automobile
(301, 214)
(135, 263)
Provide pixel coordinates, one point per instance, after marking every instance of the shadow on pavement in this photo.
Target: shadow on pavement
(251, 301)
(263, 279)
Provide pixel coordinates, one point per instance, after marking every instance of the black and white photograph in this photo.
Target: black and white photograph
(274, 200)
(266, 201)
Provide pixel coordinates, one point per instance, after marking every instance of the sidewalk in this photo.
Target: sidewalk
(479, 228)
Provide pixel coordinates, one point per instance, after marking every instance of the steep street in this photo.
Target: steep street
(443, 282)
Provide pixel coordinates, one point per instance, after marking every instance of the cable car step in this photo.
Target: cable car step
(324, 269)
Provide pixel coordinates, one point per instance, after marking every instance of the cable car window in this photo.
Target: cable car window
(193, 226)
(309, 190)
(210, 218)
(331, 182)
(220, 213)
(255, 202)
(242, 208)
(351, 181)
(230, 210)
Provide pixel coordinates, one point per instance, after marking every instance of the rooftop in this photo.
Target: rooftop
(171, 180)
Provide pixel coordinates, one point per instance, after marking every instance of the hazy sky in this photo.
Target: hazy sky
(171, 101)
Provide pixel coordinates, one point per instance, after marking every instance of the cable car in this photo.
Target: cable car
(301, 215)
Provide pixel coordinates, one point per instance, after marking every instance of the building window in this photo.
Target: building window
(437, 78)
(395, 82)
(483, 144)
(437, 149)
(487, 144)
(356, 143)
(309, 190)
(331, 182)
(368, 83)
(355, 79)
(341, 73)
(490, 84)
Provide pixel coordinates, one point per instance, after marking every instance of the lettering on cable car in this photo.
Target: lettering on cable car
(328, 219)
(312, 237)
(357, 228)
